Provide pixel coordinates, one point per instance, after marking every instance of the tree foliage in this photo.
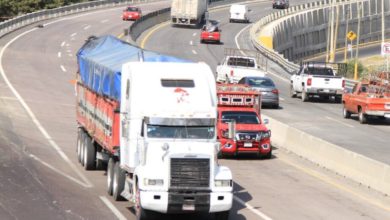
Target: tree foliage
(11, 8)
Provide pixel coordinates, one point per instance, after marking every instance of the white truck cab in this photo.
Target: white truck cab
(168, 140)
(239, 13)
(233, 68)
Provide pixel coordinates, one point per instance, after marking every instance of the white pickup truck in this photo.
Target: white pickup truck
(233, 68)
(317, 79)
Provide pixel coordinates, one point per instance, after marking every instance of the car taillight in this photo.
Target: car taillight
(275, 91)
(231, 73)
(308, 82)
(343, 83)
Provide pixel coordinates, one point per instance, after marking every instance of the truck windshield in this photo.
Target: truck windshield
(320, 71)
(240, 117)
(240, 61)
(181, 132)
(132, 9)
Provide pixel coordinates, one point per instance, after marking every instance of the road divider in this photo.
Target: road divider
(344, 162)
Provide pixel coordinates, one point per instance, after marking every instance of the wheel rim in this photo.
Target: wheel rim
(109, 179)
(114, 183)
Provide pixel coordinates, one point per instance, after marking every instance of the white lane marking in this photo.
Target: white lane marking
(252, 209)
(335, 120)
(63, 44)
(69, 51)
(191, 43)
(63, 68)
(59, 171)
(194, 34)
(67, 45)
(32, 115)
(111, 206)
(105, 21)
(69, 54)
(194, 52)
(59, 54)
(87, 27)
(243, 53)
(74, 34)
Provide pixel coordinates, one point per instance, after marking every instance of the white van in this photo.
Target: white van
(239, 13)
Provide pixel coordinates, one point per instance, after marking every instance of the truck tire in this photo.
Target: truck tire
(89, 154)
(140, 213)
(222, 215)
(82, 146)
(304, 96)
(293, 94)
(346, 113)
(362, 117)
(118, 183)
(268, 155)
(110, 175)
(338, 99)
(80, 136)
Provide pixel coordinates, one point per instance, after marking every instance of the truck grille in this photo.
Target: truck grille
(190, 173)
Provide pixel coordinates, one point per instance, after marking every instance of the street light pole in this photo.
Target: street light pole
(345, 35)
(355, 77)
(331, 59)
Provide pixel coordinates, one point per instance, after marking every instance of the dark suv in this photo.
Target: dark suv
(283, 4)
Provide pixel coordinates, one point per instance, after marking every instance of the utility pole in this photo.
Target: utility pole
(331, 58)
(345, 35)
(336, 33)
(355, 77)
(328, 41)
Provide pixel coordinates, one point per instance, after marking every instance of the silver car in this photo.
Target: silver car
(269, 92)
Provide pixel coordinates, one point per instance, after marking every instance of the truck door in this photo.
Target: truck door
(125, 118)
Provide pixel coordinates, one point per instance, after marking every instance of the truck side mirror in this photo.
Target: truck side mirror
(266, 121)
(231, 129)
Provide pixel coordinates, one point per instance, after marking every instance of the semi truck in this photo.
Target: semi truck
(151, 119)
(241, 130)
(188, 12)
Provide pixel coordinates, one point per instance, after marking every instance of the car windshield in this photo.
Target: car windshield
(320, 71)
(260, 82)
(181, 132)
(240, 117)
(132, 9)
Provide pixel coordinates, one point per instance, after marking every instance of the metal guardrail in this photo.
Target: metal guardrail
(273, 55)
(11, 25)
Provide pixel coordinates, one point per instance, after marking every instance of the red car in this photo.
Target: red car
(131, 13)
(210, 33)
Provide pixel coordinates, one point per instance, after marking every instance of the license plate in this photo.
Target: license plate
(210, 36)
(187, 207)
(326, 90)
(387, 115)
(247, 144)
(387, 106)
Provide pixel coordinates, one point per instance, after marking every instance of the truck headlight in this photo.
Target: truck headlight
(266, 134)
(223, 183)
(153, 182)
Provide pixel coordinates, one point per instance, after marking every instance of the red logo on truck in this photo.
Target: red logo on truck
(182, 93)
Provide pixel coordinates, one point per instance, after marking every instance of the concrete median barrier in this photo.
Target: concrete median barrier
(354, 166)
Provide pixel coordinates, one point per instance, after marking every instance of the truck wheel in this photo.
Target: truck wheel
(268, 155)
(293, 94)
(140, 213)
(338, 99)
(222, 215)
(82, 148)
(118, 183)
(110, 175)
(89, 154)
(346, 113)
(362, 117)
(80, 136)
(304, 96)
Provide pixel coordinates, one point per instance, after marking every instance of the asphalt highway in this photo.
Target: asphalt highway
(40, 177)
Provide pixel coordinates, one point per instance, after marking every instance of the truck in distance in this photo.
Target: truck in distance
(237, 64)
(241, 129)
(239, 13)
(188, 12)
(369, 98)
(319, 79)
(152, 119)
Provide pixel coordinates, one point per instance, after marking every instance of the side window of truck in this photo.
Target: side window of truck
(127, 89)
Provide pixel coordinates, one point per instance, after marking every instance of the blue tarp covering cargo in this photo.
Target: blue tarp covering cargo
(100, 63)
